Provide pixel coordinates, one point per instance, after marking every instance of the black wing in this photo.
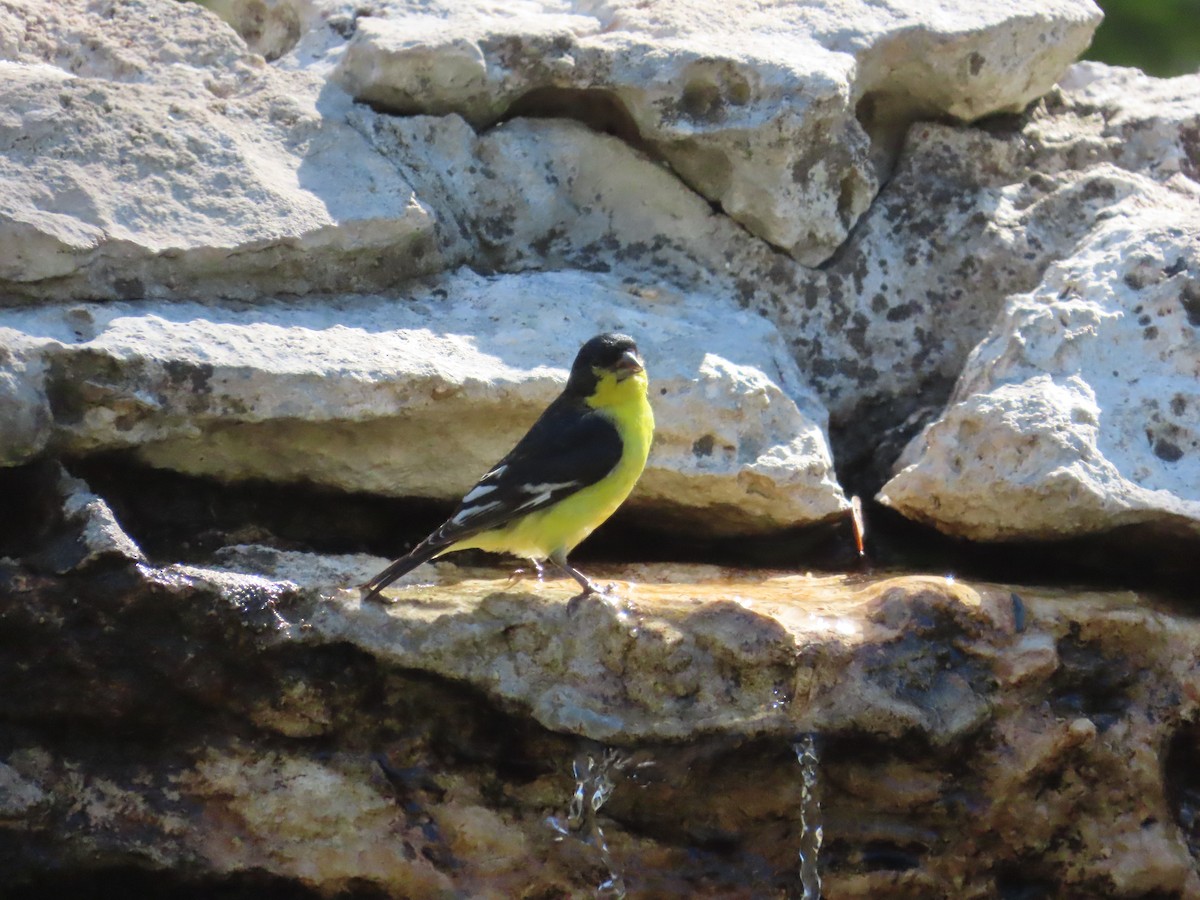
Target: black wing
(568, 448)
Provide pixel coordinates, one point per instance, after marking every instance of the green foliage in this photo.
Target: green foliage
(1161, 37)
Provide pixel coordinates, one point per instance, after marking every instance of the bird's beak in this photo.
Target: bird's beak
(627, 365)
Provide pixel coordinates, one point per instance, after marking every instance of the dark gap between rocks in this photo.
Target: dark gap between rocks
(865, 446)
(1182, 777)
(600, 110)
(1137, 558)
(1025, 881)
(1091, 682)
(886, 121)
(183, 518)
(32, 509)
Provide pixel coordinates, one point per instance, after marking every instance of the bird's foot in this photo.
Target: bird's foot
(574, 604)
(607, 596)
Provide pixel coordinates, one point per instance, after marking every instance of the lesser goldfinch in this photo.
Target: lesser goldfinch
(569, 473)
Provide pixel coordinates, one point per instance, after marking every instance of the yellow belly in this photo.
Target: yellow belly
(566, 523)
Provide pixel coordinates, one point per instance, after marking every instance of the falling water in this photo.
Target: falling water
(593, 786)
(811, 832)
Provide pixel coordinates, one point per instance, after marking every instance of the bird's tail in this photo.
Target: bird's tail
(422, 553)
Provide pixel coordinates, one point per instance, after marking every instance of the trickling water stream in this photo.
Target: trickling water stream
(811, 831)
(594, 785)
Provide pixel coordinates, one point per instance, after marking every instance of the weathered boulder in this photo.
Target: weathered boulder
(1078, 413)
(147, 152)
(971, 217)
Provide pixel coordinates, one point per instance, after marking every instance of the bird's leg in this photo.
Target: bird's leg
(520, 573)
(559, 558)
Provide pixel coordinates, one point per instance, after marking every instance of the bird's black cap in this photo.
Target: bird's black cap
(604, 351)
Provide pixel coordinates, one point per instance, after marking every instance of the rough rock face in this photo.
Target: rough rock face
(202, 729)
(1078, 413)
(354, 247)
(163, 159)
(781, 114)
(972, 217)
(1081, 412)
(368, 394)
(147, 152)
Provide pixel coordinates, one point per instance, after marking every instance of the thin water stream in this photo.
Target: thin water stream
(594, 772)
(811, 830)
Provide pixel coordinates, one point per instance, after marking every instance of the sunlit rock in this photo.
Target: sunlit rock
(971, 217)
(786, 114)
(417, 397)
(164, 158)
(1080, 412)
(149, 153)
(216, 263)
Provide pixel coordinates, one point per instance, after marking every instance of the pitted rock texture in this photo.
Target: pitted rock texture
(207, 726)
(147, 152)
(972, 217)
(1078, 413)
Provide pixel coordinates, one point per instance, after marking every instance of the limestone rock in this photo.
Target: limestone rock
(99, 536)
(757, 107)
(148, 153)
(371, 393)
(972, 216)
(971, 742)
(1079, 413)
(195, 170)
(324, 390)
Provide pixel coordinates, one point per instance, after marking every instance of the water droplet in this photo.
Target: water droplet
(558, 827)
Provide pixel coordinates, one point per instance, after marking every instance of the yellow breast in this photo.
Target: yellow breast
(562, 526)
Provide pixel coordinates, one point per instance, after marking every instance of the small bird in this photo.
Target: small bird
(569, 473)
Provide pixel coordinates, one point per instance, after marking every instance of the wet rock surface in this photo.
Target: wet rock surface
(250, 724)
